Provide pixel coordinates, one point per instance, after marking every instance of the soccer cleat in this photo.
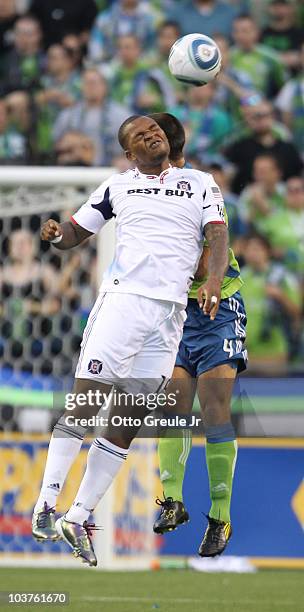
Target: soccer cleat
(78, 537)
(216, 538)
(172, 514)
(43, 525)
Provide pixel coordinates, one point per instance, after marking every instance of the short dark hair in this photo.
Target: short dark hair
(122, 136)
(174, 131)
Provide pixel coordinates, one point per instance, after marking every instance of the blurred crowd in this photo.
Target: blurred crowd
(71, 72)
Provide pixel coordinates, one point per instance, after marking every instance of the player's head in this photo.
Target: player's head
(175, 134)
(143, 141)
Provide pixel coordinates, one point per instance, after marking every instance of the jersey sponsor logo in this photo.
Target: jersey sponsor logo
(168, 192)
(185, 185)
(146, 191)
(178, 192)
(95, 366)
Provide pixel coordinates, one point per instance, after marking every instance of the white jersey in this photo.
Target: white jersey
(159, 229)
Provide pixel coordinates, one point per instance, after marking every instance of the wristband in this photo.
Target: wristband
(57, 239)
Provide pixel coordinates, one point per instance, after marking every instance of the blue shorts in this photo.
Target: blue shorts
(206, 344)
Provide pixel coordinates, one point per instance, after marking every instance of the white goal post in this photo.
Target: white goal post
(126, 513)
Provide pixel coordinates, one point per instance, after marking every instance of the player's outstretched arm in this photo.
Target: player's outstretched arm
(64, 235)
(209, 294)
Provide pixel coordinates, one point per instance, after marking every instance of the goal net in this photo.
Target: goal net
(45, 300)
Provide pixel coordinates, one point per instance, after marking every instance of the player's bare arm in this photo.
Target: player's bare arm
(218, 242)
(72, 234)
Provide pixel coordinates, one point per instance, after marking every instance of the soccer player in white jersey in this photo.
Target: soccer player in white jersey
(134, 329)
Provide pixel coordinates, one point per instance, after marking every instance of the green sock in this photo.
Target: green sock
(172, 455)
(221, 458)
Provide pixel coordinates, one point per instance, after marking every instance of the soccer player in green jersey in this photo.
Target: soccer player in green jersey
(210, 354)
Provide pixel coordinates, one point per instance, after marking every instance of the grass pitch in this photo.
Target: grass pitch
(159, 591)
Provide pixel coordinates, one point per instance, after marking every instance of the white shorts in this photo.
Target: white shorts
(130, 337)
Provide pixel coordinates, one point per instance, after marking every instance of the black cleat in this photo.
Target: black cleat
(216, 538)
(172, 514)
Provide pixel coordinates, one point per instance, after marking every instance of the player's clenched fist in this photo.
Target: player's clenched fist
(50, 230)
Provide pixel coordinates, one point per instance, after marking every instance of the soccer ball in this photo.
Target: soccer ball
(195, 59)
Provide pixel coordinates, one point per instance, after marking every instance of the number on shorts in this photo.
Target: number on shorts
(228, 347)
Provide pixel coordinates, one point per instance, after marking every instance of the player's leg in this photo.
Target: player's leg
(173, 451)
(170, 449)
(221, 356)
(215, 391)
(106, 456)
(106, 356)
(64, 447)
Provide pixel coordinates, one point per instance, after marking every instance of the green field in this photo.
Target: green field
(163, 591)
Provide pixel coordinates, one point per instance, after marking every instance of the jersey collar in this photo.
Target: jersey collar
(160, 177)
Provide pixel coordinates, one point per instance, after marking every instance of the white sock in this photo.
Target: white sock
(61, 455)
(103, 463)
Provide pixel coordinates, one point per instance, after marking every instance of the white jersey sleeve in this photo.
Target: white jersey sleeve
(213, 202)
(96, 211)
